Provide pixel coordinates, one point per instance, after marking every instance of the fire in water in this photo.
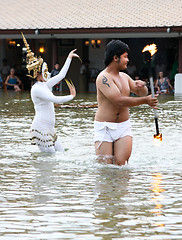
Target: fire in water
(152, 48)
(157, 197)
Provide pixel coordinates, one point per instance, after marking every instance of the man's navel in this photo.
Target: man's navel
(117, 116)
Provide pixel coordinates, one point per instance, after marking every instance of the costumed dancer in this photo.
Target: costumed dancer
(42, 129)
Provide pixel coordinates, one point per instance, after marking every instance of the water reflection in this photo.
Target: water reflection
(157, 197)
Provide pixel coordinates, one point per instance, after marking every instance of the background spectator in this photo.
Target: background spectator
(54, 72)
(12, 81)
(163, 84)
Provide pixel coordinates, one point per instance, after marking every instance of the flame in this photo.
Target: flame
(152, 48)
(157, 139)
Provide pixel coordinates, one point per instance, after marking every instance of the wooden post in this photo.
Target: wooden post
(54, 52)
(180, 56)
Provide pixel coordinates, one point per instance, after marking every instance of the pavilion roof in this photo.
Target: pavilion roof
(81, 14)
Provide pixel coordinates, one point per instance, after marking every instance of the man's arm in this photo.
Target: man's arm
(138, 87)
(106, 85)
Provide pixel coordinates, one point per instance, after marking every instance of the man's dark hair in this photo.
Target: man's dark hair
(114, 47)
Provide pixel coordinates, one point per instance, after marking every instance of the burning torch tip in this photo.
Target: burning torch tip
(158, 136)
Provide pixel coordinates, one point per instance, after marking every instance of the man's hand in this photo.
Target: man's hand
(153, 102)
(141, 89)
(140, 84)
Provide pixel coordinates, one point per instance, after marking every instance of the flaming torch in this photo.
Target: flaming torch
(150, 50)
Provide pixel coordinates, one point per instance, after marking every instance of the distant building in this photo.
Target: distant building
(53, 28)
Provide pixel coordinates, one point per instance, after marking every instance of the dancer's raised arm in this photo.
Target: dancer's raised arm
(62, 74)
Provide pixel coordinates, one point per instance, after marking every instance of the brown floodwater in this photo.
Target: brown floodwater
(71, 196)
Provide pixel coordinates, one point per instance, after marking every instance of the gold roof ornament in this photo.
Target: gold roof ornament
(33, 63)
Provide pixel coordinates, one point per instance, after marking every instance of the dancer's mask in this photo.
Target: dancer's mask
(45, 74)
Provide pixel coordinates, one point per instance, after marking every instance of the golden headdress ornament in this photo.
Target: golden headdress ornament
(33, 63)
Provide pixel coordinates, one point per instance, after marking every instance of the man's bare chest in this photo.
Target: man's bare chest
(122, 84)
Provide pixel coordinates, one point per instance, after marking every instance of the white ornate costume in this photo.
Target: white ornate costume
(42, 129)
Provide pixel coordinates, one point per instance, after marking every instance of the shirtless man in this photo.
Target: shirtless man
(113, 137)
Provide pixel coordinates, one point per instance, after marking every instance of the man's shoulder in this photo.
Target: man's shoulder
(125, 77)
(123, 74)
(102, 74)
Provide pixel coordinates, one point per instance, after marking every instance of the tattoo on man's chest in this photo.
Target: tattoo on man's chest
(105, 81)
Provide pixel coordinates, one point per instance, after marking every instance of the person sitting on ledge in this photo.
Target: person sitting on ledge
(12, 81)
(163, 84)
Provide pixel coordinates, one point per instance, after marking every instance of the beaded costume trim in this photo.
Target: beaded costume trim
(42, 139)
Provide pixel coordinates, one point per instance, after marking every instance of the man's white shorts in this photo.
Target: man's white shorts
(110, 132)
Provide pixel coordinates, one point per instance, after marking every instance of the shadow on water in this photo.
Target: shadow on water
(71, 196)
